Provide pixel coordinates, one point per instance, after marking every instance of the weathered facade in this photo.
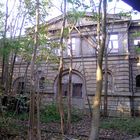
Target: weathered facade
(123, 65)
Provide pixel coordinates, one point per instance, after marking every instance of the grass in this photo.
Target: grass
(131, 125)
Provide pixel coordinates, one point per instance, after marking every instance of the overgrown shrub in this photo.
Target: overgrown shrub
(50, 113)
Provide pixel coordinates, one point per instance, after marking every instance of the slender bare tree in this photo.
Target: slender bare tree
(34, 132)
(60, 71)
(94, 134)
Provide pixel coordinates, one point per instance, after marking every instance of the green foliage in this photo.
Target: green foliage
(78, 5)
(30, 6)
(51, 114)
(125, 14)
(8, 125)
(65, 32)
(74, 16)
(136, 34)
(13, 115)
(137, 50)
(95, 16)
(131, 125)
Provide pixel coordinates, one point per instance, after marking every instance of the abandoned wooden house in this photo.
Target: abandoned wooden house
(122, 57)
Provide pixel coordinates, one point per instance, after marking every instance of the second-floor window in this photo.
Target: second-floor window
(113, 45)
(74, 44)
(71, 45)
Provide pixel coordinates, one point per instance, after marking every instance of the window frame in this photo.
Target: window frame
(111, 49)
(41, 83)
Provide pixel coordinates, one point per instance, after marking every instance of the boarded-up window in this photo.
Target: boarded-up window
(77, 90)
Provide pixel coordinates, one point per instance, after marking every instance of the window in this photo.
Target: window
(64, 89)
(56, 51)
(42, 83)
(77, 90)
(71, 45)
(137, 45)
(138, 81)
(109, 81)
(87, 49)
(20, 87)
(137, 42)
(113, 44)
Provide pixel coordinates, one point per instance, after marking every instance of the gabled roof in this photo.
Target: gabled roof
(88, 14)
(87, 19)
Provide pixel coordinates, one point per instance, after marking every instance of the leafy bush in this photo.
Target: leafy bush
(51, 114)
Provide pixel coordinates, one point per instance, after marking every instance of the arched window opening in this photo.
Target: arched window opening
(19, 85)
(77, 85)
(138, 81)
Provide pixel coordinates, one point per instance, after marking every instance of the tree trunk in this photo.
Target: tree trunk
(94, 134)
(60, 71)
(69, 90)
(33, 132)
(106, 84)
